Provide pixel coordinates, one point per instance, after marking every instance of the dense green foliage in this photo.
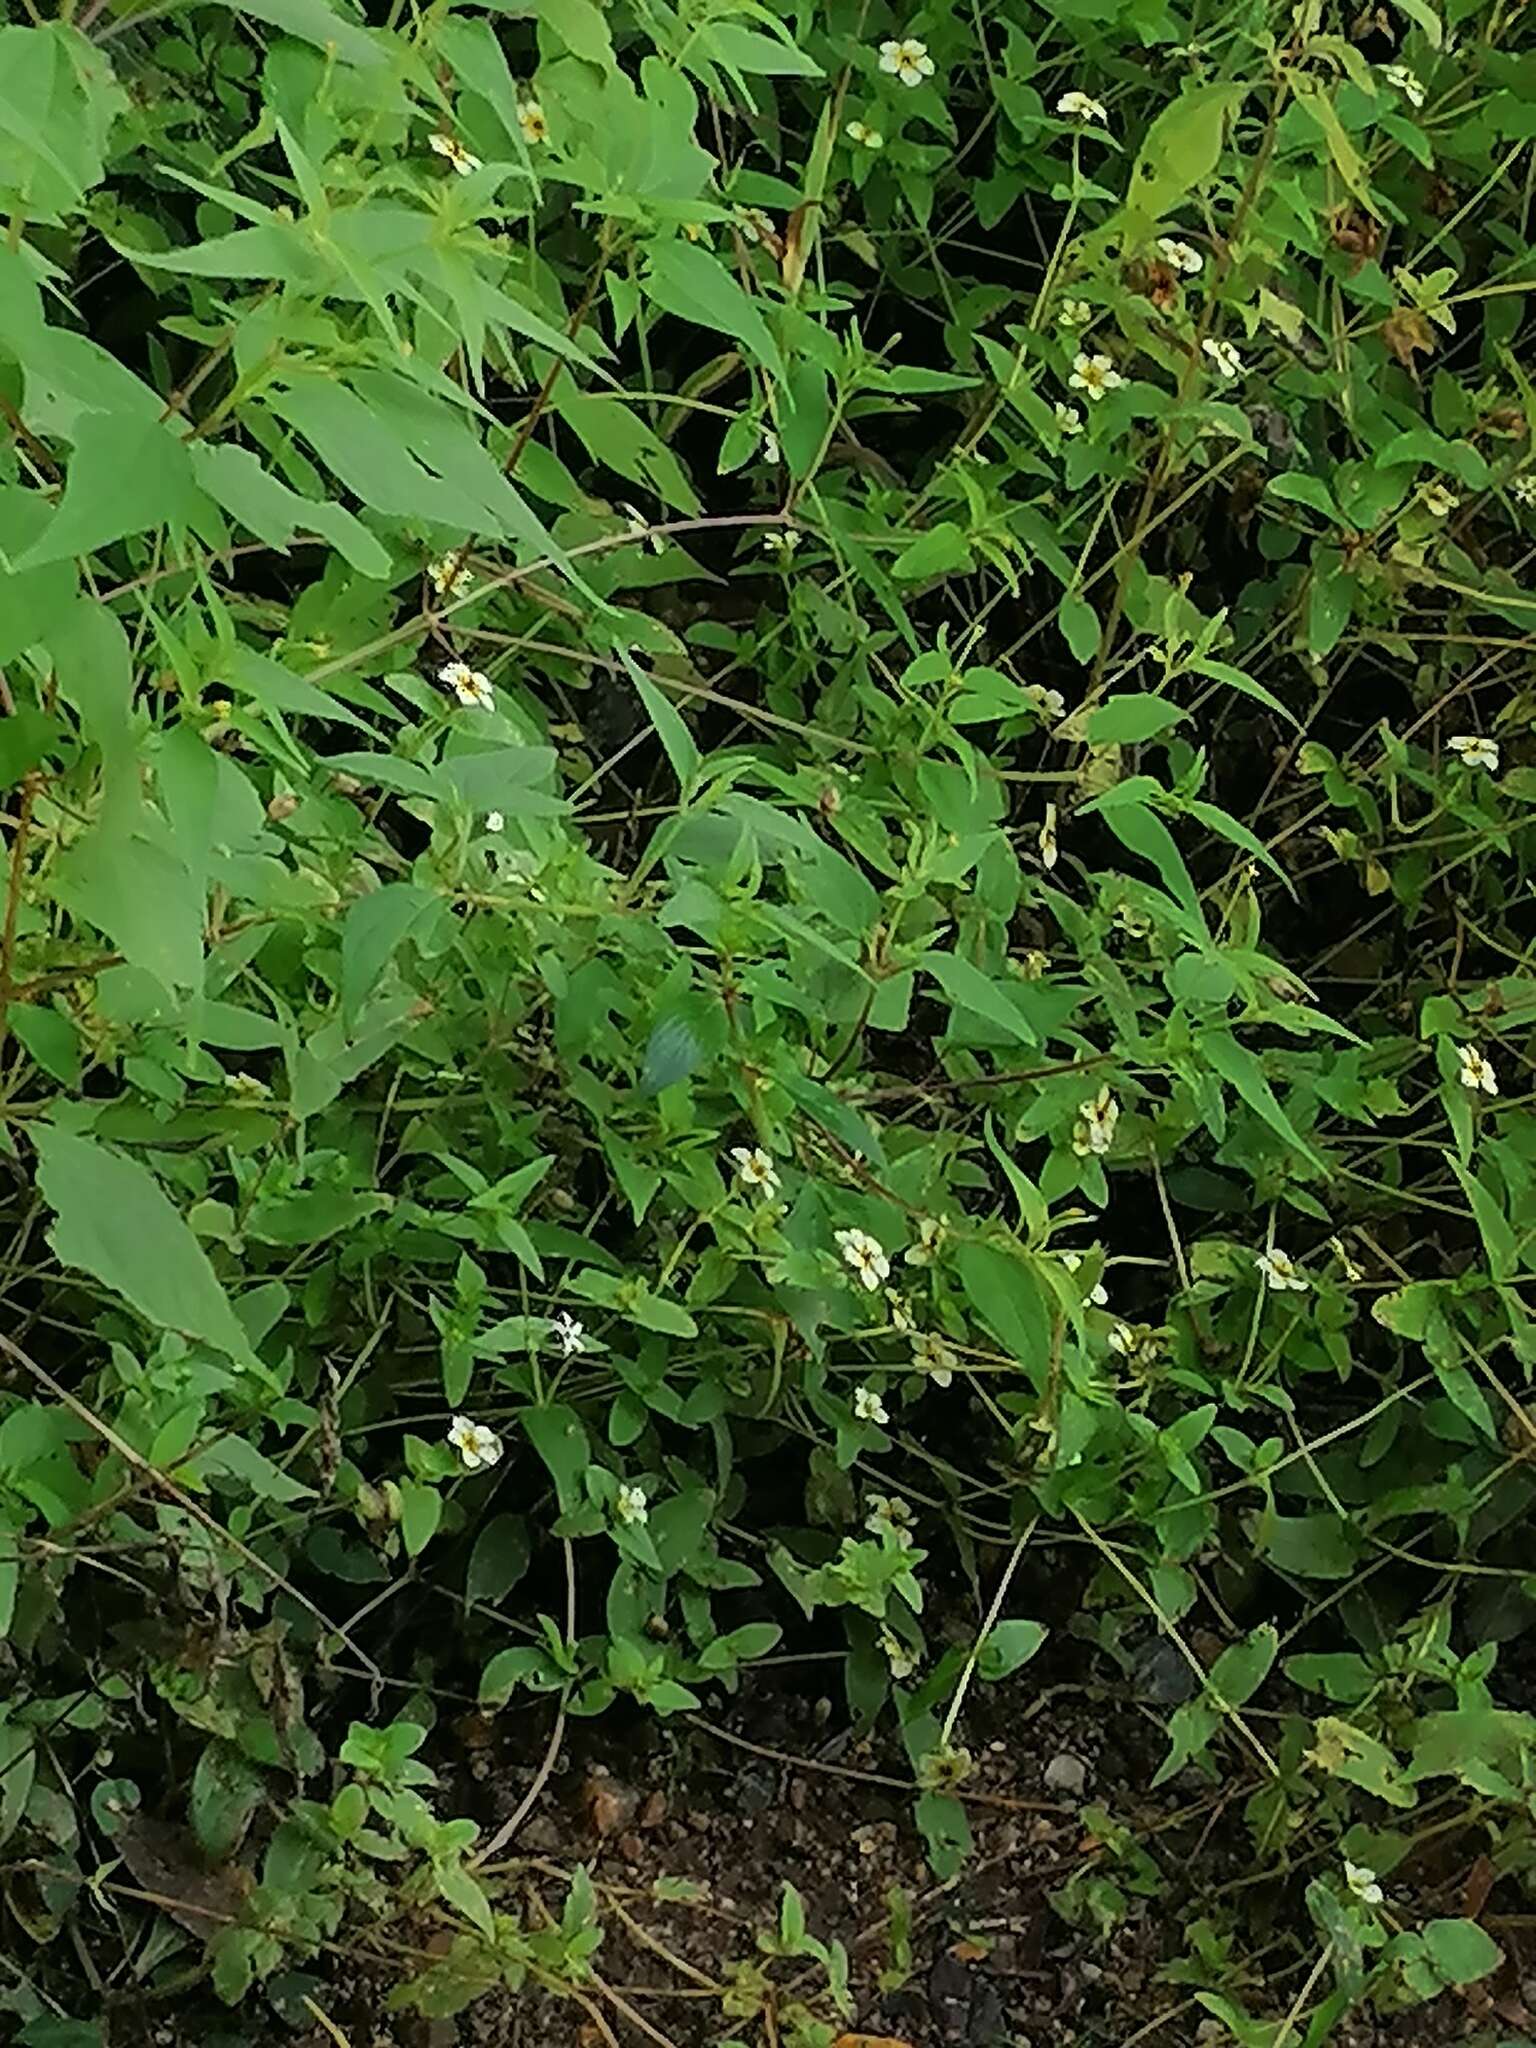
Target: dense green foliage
(768, 833)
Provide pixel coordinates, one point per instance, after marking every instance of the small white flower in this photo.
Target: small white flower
(630, 1506)
(1523, 490)
(450, 577)
(1281, 1272)
(901, 1316)
(931, 1233)
(906, 59)
(755, 1168)
(1476, 750)
(475, 1444)
(1126, 1341)
(1408, 83)
(1439, 502)
(866, 137)
(569, 1334)
(1223, 355)
(753, 225)
(865, 1255)
(1080, 106)
(463, 160)
(901, 1660)
(1047, 841)
(891, 1518)
(868, 1406)
(1362, 1882)
(495, 822)
(1098, 1294)
(1069, 420)
(1095, 1130)
(1180, 256)
(1050, 704)
(930, 1354)
(1074, 313)
(530, 118)
(780, 540)
(771, 451)
(1094, 376)
(472, 689)
(1476, 1070)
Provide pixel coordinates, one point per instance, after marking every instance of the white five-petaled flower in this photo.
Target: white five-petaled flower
(463, 160)
(907, 59)
(1180, 256)
(1476, 750)
(1095, 1130)
(868, 1406)
(1050, 703)
(1439, 502)
(865, 1255)
(1047, 842)
(781, 540)
(1223, 355)
(1098, 1294)
(1362, 1882)
(1408, 83)
(901, 1660)
(891, 1518)
(1081, 106)
(495, 822)
(930, 1354)
(472, 689)
(1069, 420)
(865, 136)
(630, 1506)
(530, 118)
(450, 577)
(1476, 1070)
(1094, 376)
(569, 1334)
(475, 1444)
(1281, 1272)
(1074, 313)
(931, 1233)
(755, 1168)
(1523, 490)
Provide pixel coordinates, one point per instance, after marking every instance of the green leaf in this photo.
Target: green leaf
(421, 1510)
(942, 551)
(1008, 1645)
(51, 1039)
(1004, 1292)
(115, 1222)
(129, 475)
(743, 49)
(1079, 624)
(1307, 1546)
(226, 1790)
(1122, 721)
(1181, 150)
(313, 22)
(1460, 1950)
(499, 1559)
(969, 989)
(690, 281)
(1242, 1068)
(235, 478)
(377, 925)
(557, 1434)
